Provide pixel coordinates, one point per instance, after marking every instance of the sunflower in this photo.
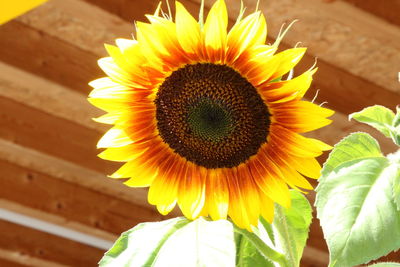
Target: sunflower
(203, 117)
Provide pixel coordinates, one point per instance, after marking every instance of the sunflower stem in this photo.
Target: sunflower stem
(268, 252)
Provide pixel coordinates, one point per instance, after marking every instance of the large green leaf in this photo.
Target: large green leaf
(356, 146)
(396, 120)
(139, 246)
(175, 242)
(385, 264)
(355, 203)
(396, 127)
(395, 177)
(379, 117)
(291, 227)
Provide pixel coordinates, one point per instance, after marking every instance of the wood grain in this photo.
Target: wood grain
(36, 244)
(79, 204)
(36, 129)
(388, 10)
(47, 56)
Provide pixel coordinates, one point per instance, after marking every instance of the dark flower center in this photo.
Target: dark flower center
(211, 115)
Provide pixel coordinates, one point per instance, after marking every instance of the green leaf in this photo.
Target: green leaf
(396, 127)
(396, 136)
(291, 227)
(395, 177)
(396, 120)
(355, 203)
(385, 264)
(356, 146)
(175, 242)
(247, 255)
(379, 117)
(269, 232)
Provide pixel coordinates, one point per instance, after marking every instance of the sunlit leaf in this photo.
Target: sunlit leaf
(175, 242)
(269, 232)
(356, 146)
(396, 127)
(355, 203)
(247, 254)
(291, 227)
(396, 120)
(395, 178)
(385, 264)
(379, 117)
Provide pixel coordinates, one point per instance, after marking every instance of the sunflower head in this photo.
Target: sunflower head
(204, 118)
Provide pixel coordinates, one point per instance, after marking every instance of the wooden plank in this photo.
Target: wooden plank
(35, 244)
(47, 56)
(343, 91)
(128, 10)
(55, 219)
(135, 10)
(341, 127)
(57, 100)
(83, 25)
(9, 258)
(69, 172)
(388, 10)
(58, 137)
(9, 263)
(37, 190)
(314, 257)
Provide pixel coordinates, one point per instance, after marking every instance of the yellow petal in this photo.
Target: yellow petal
(117, 74)
(108, 104)
(150, 46)
(110, 91)
(267, 207)
(217, 194)
(132, 52)
(287, 60)
(244, 203)
(285, 91)
(141, 175)
(290, 175)
(215, 31)
(126, 44)
(164, 188)
(301, 116)
(191, 195)
(115, 137)
(123, 154)
(269, 181)
(187, 29)
(251, 31)
(148, 37)
(306, 166)
(164, 209)
(109, 118)
(292, 143)
(321, 145)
